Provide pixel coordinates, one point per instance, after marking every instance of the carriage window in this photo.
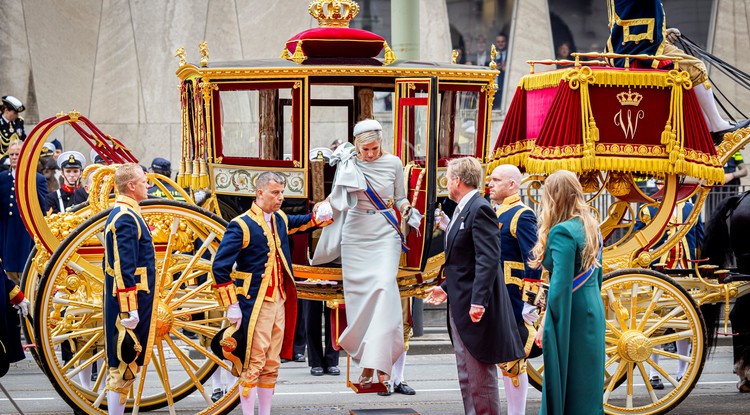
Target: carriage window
(464, 129)
(332, 127)
(250, 124)
(420, 120)
(382, 110)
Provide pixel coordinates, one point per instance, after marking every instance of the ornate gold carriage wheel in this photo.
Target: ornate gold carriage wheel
(68, 309)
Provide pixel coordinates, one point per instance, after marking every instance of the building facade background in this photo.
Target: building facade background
(113, 60)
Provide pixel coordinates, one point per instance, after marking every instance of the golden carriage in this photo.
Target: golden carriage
(240, 119)
(617, 128)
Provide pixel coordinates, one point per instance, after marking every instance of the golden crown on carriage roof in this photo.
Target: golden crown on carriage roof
(333, 13)
(629, 98)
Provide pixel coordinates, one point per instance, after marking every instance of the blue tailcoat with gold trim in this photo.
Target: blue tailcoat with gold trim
(10, 335)
(10, 131)
(636, 27)
(518, 234)
(129, 266)
(249, 242)
(16, 242)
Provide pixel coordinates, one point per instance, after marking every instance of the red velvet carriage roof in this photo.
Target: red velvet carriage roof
(583, 119)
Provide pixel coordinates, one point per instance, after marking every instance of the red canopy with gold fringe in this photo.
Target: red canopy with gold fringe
(628, 120)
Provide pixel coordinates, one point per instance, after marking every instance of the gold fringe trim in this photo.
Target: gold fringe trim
(604, 77)
(653, 166)
(541, 80)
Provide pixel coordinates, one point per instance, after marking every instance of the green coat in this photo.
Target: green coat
(573, 338)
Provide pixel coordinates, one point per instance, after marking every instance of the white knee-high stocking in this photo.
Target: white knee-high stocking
(114, 407)
(265, 395)
(516, 395)
(398, 369)
(708, 105)
(248, 402)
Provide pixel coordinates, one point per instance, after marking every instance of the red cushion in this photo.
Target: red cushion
(337, 42)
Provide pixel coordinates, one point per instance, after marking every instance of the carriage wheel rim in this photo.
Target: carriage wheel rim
(171, 341)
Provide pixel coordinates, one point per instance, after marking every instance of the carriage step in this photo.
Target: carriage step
(386, 411)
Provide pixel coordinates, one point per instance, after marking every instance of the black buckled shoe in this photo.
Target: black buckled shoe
(333, 371)
(218, 393)
(404, 389)
(388, 388)
(299, 357)
(656, 383)
(316, 371)
(719, 135)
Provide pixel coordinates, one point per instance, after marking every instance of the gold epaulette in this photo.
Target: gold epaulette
(226, 293)
(127, 299)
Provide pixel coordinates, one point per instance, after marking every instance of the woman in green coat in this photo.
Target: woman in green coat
(572, 329)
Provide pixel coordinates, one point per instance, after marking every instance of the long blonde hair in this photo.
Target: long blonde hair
(562, 199)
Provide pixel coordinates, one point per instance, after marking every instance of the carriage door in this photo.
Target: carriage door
(415, 142)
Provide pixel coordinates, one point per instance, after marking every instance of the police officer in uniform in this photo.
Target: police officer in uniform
(19, 243)
(259, 292)
(71, 163)
(129, 287)
(11, 124)
(518, 234)
(162, 166)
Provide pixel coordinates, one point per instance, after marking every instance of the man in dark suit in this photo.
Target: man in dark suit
(480, 316)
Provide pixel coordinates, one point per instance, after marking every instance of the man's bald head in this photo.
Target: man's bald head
(505, 180)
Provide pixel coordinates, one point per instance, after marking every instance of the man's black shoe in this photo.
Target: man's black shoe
(404, 389)
(719, 135)
(656, 382)
(299, 357)
(670, 347)
(284, 360)
(316, 371)
(218, 393)
(333, 371)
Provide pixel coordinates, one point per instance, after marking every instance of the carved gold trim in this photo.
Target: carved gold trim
(471, 73)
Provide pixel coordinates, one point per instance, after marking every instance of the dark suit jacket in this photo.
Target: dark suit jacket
(472, 276)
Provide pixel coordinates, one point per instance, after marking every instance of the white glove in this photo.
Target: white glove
(442, 220)
(530, 314)
(672, 35)
(131, 322)
(234, 314)
(23, 307)
(324, 212)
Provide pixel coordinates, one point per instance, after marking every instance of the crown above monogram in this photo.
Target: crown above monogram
(629, 98)
(333, 13)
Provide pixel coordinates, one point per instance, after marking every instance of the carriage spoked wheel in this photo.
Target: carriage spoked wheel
(178, 368)
(32, 271)
(645, 310)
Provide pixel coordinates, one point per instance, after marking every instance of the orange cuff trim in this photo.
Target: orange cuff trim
(16, 296)
(226, 293)
(128, 299)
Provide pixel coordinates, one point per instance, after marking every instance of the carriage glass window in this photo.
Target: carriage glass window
(254, 124)
(330, 129)
(464, 128)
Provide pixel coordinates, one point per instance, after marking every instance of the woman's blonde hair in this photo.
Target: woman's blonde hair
(562, 199)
